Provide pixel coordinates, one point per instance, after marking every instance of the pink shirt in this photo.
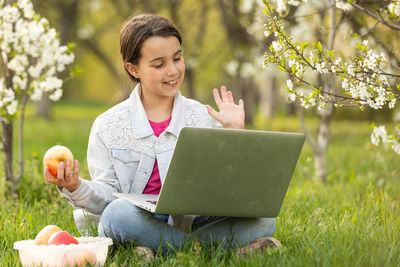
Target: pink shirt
(154, 184)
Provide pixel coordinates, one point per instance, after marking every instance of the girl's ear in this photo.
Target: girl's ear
(132, 69)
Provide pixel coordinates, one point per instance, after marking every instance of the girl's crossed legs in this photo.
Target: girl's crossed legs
(123, 221)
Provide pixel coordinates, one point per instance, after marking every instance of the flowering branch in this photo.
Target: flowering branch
(364, 77)
(377, 17)
(31, 58)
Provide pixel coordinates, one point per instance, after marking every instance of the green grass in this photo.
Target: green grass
(351, 220)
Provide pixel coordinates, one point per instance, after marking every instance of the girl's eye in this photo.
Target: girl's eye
(158, 66)
(177, 59)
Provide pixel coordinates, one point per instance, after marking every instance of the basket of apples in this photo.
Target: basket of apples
(57, 248)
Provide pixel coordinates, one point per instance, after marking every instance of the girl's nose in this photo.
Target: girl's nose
(172, 70)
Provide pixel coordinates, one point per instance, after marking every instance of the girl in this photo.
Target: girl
(131, 144)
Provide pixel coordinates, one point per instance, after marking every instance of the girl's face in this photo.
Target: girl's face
(161, 68)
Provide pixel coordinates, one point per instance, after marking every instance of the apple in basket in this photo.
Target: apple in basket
(62, 237)
(54, 156)
(43, 236)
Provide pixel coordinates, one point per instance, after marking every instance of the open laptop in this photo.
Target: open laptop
(226, 172)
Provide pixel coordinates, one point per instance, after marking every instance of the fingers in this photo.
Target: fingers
(212, 112)
(67, 171)
(241, 104)
(224, 94)
(217, 98)
(48, 177)
(75, 176)
(230, 96)
(65, 176)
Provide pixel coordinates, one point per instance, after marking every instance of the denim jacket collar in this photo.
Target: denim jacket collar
(140, 123)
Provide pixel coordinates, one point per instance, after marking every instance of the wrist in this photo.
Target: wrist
(235, 126)
(73, 187)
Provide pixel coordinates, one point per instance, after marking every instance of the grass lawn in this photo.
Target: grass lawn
(351, 220)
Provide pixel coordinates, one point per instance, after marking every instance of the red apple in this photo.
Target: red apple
(62, 237)
(43, 236)
(54, 156)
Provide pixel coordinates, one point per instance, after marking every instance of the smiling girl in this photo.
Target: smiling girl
(131, 144)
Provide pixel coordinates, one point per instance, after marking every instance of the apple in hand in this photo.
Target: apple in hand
(54, 156)
(43, 236)
(62, 237)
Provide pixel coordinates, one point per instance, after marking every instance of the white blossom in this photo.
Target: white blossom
(343, 5)
(394, 8)
(9, 14)
(277, 46)
(27, 8)
(396, 147)
(289, 84)
(36, 94)
(18, 63)
(246, 5)
(281, 6)
(292, 97)
(95, 5)
(321, 67)
(32, 53)
(379, 134)
(86, 31)
(249, 69)
(12, 107)
(19, 82)
(392, 103)
(56, 95)
(370, 61)
(231, 67)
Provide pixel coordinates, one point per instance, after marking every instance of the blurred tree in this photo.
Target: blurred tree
(236, 22)
(92, 22)
(67, 18)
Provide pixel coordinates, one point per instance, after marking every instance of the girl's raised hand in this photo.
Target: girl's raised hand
(65, 177)
(230, 115)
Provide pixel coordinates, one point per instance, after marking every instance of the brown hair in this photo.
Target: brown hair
(136, 29)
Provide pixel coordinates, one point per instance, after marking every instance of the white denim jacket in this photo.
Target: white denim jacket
(122, 150)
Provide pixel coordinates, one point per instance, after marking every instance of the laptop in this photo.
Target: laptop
(226, 172)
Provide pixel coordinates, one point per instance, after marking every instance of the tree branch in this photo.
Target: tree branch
(377, 17)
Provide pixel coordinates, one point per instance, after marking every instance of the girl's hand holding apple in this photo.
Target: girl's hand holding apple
(58, 168)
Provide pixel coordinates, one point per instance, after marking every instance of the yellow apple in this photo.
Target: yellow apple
(43, 236)
(54, 156)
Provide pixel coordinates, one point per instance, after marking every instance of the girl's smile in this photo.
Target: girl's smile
(161, 67)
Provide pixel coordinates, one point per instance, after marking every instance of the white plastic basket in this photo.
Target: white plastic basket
(59, 255)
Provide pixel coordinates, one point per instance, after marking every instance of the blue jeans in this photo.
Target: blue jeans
(123, 221)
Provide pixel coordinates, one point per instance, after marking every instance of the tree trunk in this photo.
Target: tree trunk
(248, 92)
(269, 97)
(322, 143)
(7, 139)
(43, 107)
(189, 77)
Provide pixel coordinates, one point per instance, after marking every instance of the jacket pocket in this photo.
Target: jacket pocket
(125, 165)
